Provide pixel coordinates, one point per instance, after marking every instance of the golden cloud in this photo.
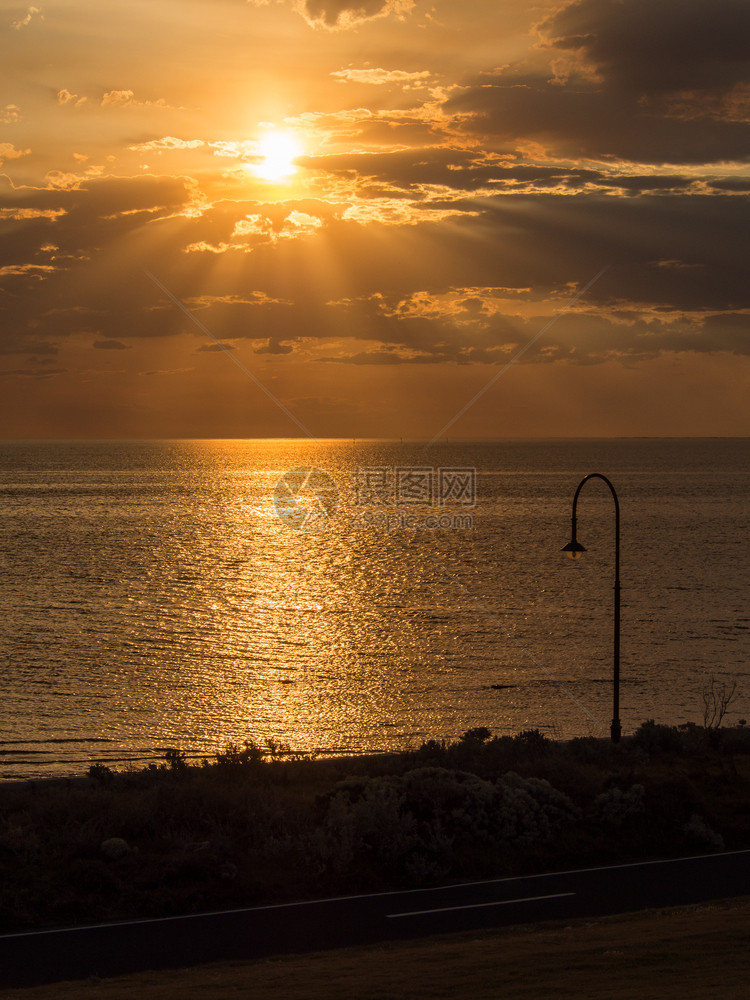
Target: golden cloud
(380, 77)
(10, 114)
(167, 142)
(338, 14)
(127, 99)
(9, 152)
(31, 13)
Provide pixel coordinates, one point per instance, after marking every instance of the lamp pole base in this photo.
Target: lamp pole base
(616, 730)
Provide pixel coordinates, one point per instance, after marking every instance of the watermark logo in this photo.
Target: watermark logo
(384, 498)
(400, 520)
(413, 497)
(414, 486)
(306, 498)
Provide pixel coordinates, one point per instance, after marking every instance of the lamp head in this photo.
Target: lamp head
(574, 549)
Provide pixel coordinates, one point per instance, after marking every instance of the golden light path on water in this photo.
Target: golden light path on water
(316, 638)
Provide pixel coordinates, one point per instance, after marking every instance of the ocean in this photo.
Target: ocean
(352, 597)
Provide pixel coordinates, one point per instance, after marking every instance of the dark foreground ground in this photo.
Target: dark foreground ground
(255, 826)
(656, 955)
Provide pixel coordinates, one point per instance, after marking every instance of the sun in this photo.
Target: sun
(278, 152)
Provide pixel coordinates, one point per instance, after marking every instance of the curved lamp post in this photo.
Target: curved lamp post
(574, 550)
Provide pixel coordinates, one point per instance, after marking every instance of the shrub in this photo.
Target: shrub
(249, 754)
(364, 821)
(655, 738)
(616, 808)
(532, 810)
(101, 773)
(698, 832)
(432, 821)
(479, 735)
(533, 743)
(176, 760)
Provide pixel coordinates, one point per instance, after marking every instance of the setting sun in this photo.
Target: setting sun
(278, 151)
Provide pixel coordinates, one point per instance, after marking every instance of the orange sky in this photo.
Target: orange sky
(374, 207)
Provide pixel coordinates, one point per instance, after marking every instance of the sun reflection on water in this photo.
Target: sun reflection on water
(315, 639)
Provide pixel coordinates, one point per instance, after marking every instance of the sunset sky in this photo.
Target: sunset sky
(374, 206)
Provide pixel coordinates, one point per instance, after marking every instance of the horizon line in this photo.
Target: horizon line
(394, 440)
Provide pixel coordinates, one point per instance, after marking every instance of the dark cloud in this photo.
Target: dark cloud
(658, 46)
(100, 198)
(23, 345)
(368, 358)
(453, 167)
(274, 347)
(405, 173)
(586, 338)
(110, 345)
(211, 348)
(96, 214)
(655, 82)
(35, 373)
(589, 121)
(731, 184)
(677, 265)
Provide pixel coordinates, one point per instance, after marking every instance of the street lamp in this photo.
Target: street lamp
(574, 550)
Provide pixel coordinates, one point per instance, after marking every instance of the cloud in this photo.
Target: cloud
(57, 233)
(65, 96)
(646, 47)
(10, 114)
(167, 142)
(31, 13)
(118, 98)
(9, 152)
(127, 99)
(31, 213)
(34, 373)
(26, 270)
(334, 14)
(462, 183)
(368, 358)
(23, 346)
(274, 347)
(466, 293)
(63, 180)
(110, 345)
(380, 77)
(631, 79)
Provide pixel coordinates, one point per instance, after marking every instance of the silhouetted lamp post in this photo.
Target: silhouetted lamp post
(574, 550)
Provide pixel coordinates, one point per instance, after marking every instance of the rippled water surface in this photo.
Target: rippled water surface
(152, 597)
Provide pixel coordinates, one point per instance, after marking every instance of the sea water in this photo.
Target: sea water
(193, 594)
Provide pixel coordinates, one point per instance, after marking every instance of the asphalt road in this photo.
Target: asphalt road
(111, 949)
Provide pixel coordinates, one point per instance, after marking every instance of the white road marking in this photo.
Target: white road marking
(186, 917)
(477, 906)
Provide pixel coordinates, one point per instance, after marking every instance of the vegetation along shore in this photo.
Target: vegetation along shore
(257, 824)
